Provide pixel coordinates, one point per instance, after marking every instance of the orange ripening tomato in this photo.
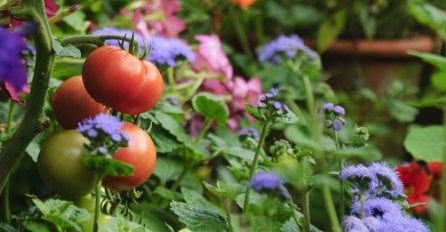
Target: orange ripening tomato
(71, 103)
(140, 153)
(244, 4)
(121, 81)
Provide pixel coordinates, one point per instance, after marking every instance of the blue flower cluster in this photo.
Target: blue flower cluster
(249, 132)
(12, 66)
(334, 116)
(104, 133)
(375, 189)
(269, 181)
(284, 45)
(164, 51)
(168, 51)
(269, 101)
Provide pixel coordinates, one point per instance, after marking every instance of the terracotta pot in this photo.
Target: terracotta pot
(351, 64)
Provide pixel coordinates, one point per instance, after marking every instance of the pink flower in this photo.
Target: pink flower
(169, 26)
(244, 92)
(211, 57)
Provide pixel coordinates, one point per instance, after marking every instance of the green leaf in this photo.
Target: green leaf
(290, 226)
(425, 143)
(69, 50)
(435, 60)
(366, 152)
(402, 111)
(288, 118)
(106, 165)
(164, 141)
(226, 190)
(199, 219)
(120, 223)
(196, 198)
(76, 20)
(438, 80)
(63, 214)
(167, 169)
(211, 107)
(429, 15)
(330, 29)
(253, 111)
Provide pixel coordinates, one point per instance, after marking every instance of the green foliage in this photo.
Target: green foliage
(211, 107)
(198, 218)
(62, 214)
(67, 51)
(106, 165)
(425, 143)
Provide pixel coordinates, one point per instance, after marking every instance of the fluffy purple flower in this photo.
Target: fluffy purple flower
(286, 45)
(12, 66)
(121, 32)
(372, 223)
(102, 124)
(387, 177)
(339, 110)
(354, 224)
(168, 51)
(277, 105)
(380, 208)
(269, 181)
(396, 223)
(337, 125)
(364, 180)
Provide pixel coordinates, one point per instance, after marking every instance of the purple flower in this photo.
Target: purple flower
(363, 178)
(354, 224)
(277, 105)
(339, 110)
(102, 124)
(372, 223)
(12, 66)
(167, 51)
(328, 107)
(387, 177)
(121, 32)
(380, 208)
(286, 45)
(103, 150)
(337, 125)
(251, 132)
(269, 181)
(397, 223)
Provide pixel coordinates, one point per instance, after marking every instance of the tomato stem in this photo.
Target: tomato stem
(14, 149)
(98, 40)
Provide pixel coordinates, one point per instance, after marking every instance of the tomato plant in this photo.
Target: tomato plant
(61, 168)
(140, 153)
(121, 81)
(71, 103)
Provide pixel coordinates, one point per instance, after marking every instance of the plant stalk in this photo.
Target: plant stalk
(14, 149)
(252, 169)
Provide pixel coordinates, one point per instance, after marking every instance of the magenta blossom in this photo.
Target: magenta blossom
(244, 92)
(168, 24)
(211, 57)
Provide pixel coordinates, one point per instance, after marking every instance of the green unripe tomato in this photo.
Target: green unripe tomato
(61, 168)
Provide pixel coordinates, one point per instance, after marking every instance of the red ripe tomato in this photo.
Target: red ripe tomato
(71, 103)
(121, 81)
(140, 153)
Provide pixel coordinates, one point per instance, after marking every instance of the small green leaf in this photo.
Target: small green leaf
(63, 214)
(402, 111)
(120, 223)
(425, 143)
(288, 118)
(69, 50)
(253, 111)
(211, 107)
(199, 219)
(167, 169)
(106, 165)
(437, 61)
(438, 80)
(330, 29)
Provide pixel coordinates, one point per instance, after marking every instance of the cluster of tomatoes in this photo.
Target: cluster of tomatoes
(112, 78)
